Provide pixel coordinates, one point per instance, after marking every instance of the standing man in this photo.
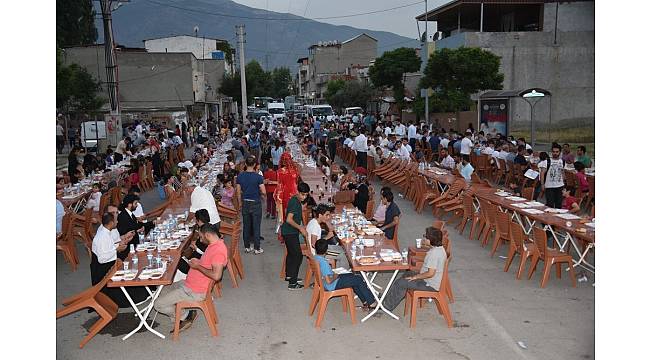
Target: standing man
(582, 156)
(250, 184)
(290, 230)
(400, 129)
(466, 144)
(60, 141)
(552, 177)
(412, 134)
(360, 147)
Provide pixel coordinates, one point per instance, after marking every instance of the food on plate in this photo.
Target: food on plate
(367, 261)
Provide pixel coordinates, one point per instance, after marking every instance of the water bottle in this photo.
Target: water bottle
(134, 263)
(131, 249)
(149, 259)
(405, 254)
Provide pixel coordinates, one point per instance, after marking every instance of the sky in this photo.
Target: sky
(399, 21)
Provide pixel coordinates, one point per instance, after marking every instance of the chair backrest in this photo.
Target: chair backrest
(343, 197)
(104, 201)
(315, 269)
(539, 235)
(502, 165)
(456, 187)
(517, 236)
(468, 205)
(445, 276)
(527, 193)
(370, 207)
(569, 178)
(491, 212)
(592, 185)
(503, 223)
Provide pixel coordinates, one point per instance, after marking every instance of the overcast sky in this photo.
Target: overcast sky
(399, 21)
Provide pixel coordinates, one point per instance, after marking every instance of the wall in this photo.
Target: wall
(183, 44)
(214, 71)
(147, 81)
(359, 51)
(451, 121)
(567, 70)
(574, 16)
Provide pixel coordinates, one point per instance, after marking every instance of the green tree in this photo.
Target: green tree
(231, 86)
(455, 74)
(334, 93)
(75, 23)
(356, 94)
(281, 79)
(227, 51)
(258, 81)
(76, 89)
(389, 69)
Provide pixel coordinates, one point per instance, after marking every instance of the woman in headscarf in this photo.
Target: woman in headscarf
(287, 180)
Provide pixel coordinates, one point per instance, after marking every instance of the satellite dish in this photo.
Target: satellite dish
(423, 38)
(320, 43)
(437, 36)
(196, 30)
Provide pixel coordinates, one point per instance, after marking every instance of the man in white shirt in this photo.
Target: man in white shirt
(447, 161)
(401, 151)
(466, 144)
(444, 142)
(412, 134)
(400, 129)
(489, 149)
(138, 130)
(360, 147)
(387, 131)
(107, 241)
(201, 198)
(406, 145)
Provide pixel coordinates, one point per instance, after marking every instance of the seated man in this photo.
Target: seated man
(208, 268)
(199, 246)
(446, 161)
(466, 169)
(430, 276)
(332, 281)
(106, 244)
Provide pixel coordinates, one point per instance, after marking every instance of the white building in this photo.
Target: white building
(201, 47)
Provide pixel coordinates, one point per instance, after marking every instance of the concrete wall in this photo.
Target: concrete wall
(567, 70)
(214, 71)
(573, 16)
(359, 51)
(147, 81)
(326, 60)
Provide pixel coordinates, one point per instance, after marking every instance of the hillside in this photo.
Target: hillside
(283, 40)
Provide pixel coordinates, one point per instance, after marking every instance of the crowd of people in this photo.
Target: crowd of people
(260, 167)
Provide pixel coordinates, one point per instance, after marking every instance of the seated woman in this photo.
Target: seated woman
(362, 192)
(227, 192)
(569, 201)
(346, 177)
(380, 212)
(332, 281)
(430, 276)
(168, 184)
(392, 214)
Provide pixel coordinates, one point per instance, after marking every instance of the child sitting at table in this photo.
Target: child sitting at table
(332, 281)
(569, 201)
(94, 198)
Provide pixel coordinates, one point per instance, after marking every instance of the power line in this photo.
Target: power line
(205, 12)
(347, 52)
(293, 43)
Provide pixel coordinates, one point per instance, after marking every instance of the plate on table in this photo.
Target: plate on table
(534, 204)
(502, 193)
(568, 216)
(515, 198)
(141, 248)
(556, 211)
(69, 197)
(591, 225)
(368, 260)
(340, 270)
(532, 211)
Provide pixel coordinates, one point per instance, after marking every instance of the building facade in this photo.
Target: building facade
(542, 44)
(151, 81)
(332, 59)
(201, 47)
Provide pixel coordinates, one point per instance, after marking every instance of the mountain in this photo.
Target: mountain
(283, 40)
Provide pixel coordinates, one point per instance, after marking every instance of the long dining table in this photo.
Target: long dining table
(169, 257)
(566, 229)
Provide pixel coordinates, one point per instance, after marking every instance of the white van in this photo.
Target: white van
(276, 110)
(91, 132)
(320, 110)
(351, 111)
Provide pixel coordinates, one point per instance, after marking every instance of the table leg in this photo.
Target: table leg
(379, 300)
(582, 262)
(139, 313)
(372, 280)
(562, 245)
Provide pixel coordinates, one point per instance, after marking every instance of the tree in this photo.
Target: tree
(333, 93)
(76, 89)
(75, 23)
(455, 74)
(389, 69)
(258, 81)
(281, 79)
(231, 86)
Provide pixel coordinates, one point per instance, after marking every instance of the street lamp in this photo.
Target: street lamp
(532, 97)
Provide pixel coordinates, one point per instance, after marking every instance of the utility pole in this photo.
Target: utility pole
(111, 71)
(426, 58)
(242, 70)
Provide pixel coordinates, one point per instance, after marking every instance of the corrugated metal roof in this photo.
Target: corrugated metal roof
(432, 15)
